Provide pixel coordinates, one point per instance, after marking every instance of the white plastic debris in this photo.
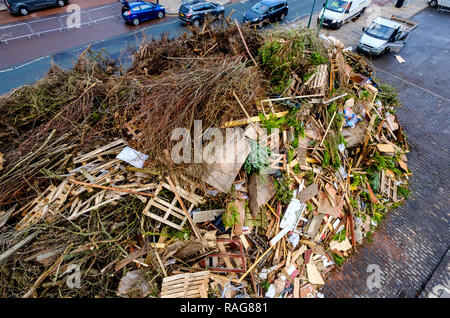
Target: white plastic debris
(133, 157)
(294, 238)
(271, 291)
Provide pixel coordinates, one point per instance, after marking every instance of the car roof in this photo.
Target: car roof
(387, 22)
(193, 2)
(137, 3)
(271, 2)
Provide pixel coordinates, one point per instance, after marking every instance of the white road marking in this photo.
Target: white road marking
(23, 65)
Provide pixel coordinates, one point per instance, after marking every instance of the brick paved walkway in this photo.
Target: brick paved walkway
(413, 241)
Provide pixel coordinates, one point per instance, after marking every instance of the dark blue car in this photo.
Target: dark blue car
(138, 11)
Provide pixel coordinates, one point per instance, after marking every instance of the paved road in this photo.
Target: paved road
(24, 60)
(410, 248)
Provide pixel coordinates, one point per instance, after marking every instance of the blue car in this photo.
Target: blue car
(138, 11)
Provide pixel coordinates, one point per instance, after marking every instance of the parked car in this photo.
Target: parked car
(139, 11)
(194, 12)
(266, 11)
(24, 7)
(440, 5)
(339, 12)
(385, 35)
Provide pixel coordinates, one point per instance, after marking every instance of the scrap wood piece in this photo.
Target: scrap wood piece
(238, 257)
(243, 40)
(386, 148)
(110, 148)
(256, 263)
(4, 215)
(5, 255)
(400, 59)
(237, 206)
(250, 120)
(48, 205)
(314, 225)
(326, 207)
(355, 136)
(306, 290)
(187, 213)
(314, 276)
(172, 210)
(204, 216)
(373, 198)
(388, 186)
(98, 186)
(227, 161)
(131, 257)
(187, 285)
(261, 188)
(260, 219)
(308, 193)
(341, 246)
(403, 165)
(277, 161)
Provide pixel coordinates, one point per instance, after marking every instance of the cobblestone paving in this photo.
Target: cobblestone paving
(413, 241)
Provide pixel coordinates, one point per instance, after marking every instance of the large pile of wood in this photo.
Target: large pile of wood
(315, 165)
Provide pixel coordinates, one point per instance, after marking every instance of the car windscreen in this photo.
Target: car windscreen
(259, 8)
(379, 31)
(184, 9)
(337, 6)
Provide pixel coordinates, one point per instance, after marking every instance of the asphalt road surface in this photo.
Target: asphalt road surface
(24, 60)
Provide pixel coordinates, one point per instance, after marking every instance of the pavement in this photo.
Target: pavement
(6, 17)
(350, 32)
(409, 253)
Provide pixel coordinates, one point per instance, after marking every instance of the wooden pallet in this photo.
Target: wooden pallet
(172, 209)
(48, 205)
(319, 82)
(388, 186)
(189, 285)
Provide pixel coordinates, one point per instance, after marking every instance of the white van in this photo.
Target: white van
(338, 12)
(443, 5)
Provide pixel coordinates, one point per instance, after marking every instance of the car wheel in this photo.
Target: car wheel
(136, 21)
(433, 3)
(362, 11)
(24, 11)
(60, 3)
(282, 16)
(338, 26)
(196, 23)
(160, 14)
